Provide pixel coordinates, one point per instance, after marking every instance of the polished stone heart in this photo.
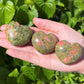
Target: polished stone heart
(68, 53)
(18, 35)
(44, 43)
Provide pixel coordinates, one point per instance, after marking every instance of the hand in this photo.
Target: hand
(50, 61)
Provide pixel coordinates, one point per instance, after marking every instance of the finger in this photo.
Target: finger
(2, 35)
(34, 29)
(6, 44)
(3, 27)
(48, 25)
(47, 61)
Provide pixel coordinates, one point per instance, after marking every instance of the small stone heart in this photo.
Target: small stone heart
(68, 53)
(18, 35)
(44, 43)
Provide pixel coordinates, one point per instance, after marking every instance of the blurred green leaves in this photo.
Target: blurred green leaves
(70, 12)
(25, 14)
(24, 11)
(3, 75)
(28, 72)
(46, 8)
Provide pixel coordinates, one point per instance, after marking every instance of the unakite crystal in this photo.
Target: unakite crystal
(17, 34)
(44, 43)
(68, 53)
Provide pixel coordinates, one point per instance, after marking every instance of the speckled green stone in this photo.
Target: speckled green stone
(44, 43)
(68, 53)
(18, 35)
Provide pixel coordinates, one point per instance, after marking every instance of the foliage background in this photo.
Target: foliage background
(15, 71)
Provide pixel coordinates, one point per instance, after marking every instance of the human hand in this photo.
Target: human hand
(49, 61)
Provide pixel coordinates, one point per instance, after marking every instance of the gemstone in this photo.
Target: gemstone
(18, 35)
(44, 43)
(68, 53)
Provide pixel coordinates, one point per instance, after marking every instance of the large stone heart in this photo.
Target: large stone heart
(44, 43)
(68, 53)
(18, 35)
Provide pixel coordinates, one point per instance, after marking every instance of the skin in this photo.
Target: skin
(49, 61)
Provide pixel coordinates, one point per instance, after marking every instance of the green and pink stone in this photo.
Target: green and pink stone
(18, 35)
(68, 53)
(44, 43)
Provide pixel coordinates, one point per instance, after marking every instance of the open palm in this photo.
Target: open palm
(50, 61)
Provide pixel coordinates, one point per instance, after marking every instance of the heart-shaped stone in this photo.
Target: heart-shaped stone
(44, 43)
(17, 34)
(68, 53)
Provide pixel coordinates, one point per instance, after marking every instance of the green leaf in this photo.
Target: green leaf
(28, 72)
(77, 13)
(69, 18)
(59, 3)
(11, 80)
(20, 3)
(26, 63)
(41, 74)
(41, 82)
(82, 26)
(14, 73)
(82, 30)
(46, 8)
(3, 75)
(79, 4)
(14, 1)
(74, 21)
(21, 12)
(79, 31)
(31, 14)
(28, 12)
(29, 2)
(7, 12)
(2, 56)
(21, 79)
(48, 73)
(17, 62)
(63, 18)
